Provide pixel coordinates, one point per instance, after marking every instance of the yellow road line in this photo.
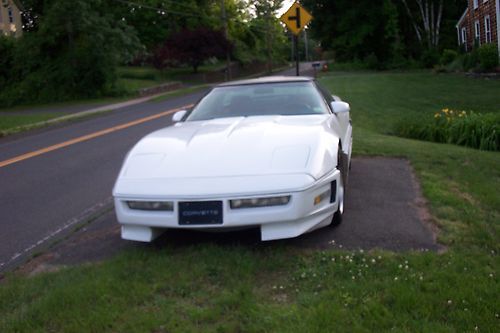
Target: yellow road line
(88, 137)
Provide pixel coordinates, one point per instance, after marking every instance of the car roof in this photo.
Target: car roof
(267, 79)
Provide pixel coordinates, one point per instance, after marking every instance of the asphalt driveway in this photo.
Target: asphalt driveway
(383, 210)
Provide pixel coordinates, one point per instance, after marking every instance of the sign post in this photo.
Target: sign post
(296, 18)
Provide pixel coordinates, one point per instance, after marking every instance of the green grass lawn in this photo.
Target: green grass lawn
(11, 121)
(236, 288)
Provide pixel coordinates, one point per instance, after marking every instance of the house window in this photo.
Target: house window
(477, 33)
(11, 15)
(476, 4)
(464, 37)
(487, 29)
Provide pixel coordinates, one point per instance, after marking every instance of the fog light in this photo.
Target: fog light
(151, 205)
(259, 202)
(318, 199)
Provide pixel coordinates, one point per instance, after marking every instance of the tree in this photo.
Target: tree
(192, 47)
(364, 29)
(265, 11)
(72, 54)
(425, 17)
(156, 20)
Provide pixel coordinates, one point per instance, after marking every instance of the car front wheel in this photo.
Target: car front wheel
(337, 217)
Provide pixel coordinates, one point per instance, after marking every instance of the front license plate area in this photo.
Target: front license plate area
(200, 213)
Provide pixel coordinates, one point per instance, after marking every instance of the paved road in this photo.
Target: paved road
(43, 197)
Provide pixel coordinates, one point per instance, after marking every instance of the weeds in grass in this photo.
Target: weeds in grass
(470, 129)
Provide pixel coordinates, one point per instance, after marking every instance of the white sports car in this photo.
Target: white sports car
(272, 153)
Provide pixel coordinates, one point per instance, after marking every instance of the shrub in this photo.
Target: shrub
(470, 129)
(471, 60)
(456, 65)
(429, 58)
(488, 57)
(371, 61)
(448, 56)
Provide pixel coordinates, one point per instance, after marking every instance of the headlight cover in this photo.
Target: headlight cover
(260, 202)
(151, 205)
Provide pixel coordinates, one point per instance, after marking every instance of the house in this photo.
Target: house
(10, 18)
(479, 24)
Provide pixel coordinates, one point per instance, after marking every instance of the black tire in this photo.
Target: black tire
(337, 217)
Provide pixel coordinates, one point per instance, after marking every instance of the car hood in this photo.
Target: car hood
(235, 147)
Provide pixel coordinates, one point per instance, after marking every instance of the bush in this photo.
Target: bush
(475, 130)
(371, 61)
(488, 57)
(471, 60)
(448, 56)
(328, 55)
(429, 58)
(456, 65)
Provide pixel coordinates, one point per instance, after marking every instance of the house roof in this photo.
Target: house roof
(17, 3)
(462, 18)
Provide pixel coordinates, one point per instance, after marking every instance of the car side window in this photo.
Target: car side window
(326, 95)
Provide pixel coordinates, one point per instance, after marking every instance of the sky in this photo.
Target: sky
(286, 5)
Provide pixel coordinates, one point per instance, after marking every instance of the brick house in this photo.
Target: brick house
(479, 24)
(10, 18)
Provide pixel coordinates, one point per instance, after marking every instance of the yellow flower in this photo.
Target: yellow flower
(437, 115)
(445, 110)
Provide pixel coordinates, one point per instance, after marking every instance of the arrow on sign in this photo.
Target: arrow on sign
(296, 18)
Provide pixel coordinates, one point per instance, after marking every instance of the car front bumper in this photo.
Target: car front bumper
(299, 216)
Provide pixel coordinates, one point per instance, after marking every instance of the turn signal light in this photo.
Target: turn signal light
(319, 198)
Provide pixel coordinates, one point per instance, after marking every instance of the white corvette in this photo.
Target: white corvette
(271, 153)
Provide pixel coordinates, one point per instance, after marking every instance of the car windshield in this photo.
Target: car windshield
(263, 99)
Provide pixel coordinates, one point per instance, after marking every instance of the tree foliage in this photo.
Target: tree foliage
(192, 47)
(73, 53)
(384, 29)
(356, 30)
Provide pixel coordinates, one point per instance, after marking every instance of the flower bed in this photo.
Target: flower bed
(470, 129)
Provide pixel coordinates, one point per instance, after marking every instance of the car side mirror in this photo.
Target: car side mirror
(178, 116)
(340, 107)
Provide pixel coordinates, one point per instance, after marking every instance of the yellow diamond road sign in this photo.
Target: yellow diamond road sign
(296, 18)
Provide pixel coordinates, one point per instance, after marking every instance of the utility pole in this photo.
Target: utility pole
(226, 33)
(297, 59)
(268, 39)
(306, 45)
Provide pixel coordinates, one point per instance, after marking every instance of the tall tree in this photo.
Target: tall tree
(356, 30)
(425, 16)
(265, 11)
